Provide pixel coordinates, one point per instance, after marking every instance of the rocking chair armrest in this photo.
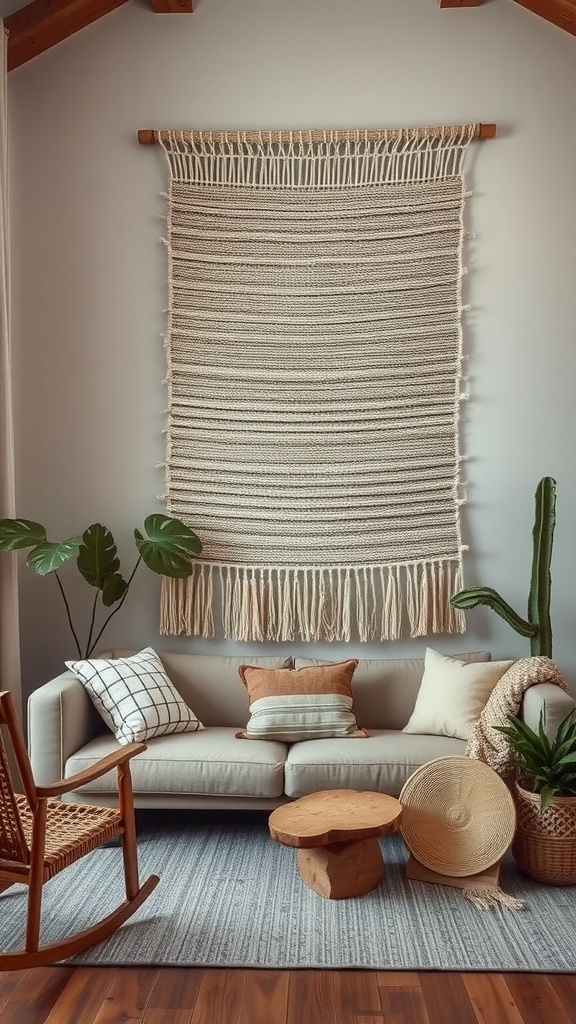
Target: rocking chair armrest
(101, 767)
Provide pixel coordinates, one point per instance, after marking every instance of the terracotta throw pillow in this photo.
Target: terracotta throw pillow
(303, 704)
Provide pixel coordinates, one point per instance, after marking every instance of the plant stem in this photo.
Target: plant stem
(117, 609)
(68, 614)
(92, 621)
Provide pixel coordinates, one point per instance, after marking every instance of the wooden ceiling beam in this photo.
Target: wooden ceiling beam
(43, 23)
(461, 3)
(173, 6)
(559, 12)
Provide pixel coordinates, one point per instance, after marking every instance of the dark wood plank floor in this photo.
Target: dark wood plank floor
(83, 995)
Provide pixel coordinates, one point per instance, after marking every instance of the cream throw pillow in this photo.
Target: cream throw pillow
(452, 695)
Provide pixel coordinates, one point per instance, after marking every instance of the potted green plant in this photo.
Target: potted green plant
(545, 793)
(537, 626)
(166, 546)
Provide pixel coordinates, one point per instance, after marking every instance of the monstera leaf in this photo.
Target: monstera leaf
(98, 563)
(48, 557)
(98, 555)
(20, 533)
(168, 547)
(45, 557)
(113, 589)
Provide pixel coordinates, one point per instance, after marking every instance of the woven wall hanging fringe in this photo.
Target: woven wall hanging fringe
(314, 379)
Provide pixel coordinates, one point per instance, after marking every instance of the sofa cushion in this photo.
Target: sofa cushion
(209, 763)
(309, 703)
(452, 695)
(383, 762)
(385, 689)
(135, 696)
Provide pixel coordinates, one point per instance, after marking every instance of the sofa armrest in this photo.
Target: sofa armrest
(61, 719)
(547, 698)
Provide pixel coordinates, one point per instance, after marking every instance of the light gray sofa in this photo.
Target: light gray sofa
(213, 768)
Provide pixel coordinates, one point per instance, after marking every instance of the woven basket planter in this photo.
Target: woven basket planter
(545, 844)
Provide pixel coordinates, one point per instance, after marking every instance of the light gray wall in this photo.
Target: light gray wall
(89, 271)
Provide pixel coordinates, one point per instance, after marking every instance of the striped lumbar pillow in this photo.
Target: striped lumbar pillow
(303, 704)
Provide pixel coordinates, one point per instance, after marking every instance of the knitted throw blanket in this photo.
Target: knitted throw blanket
(314, 381)
(486, 743)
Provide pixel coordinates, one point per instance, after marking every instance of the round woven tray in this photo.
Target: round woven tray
(458, 816)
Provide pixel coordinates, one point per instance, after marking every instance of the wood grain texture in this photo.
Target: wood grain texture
(446, 1004)
(81, 999)
(173, 6)
(43, 23)
(128, 996)
(159, 1016)
(564, 986)
(176, 988)
(264, 997)
(150, 136)
(9, 982)
(219, 997)
(397, 979)
(73, 831)
(311, 998)
(32, 1001)
(342, 871)
(491, 999)
(357, 998)
(400, 1005)
(60, 995)
(560, 12)
(334, 816)
(537, 1001)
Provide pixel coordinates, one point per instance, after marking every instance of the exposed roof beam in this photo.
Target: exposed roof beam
(461, 3)
(173, 6)
(43, 23)
(559, 12)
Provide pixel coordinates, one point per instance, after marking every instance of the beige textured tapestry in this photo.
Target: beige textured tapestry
(314, 377)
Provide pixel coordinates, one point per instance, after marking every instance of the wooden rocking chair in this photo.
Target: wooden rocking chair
(40, 835)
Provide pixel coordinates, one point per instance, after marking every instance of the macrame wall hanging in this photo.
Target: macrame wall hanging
(314, 354)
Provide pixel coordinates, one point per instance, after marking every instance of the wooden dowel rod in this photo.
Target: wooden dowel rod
(149, 136)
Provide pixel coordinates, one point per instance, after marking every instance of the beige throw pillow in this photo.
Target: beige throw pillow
(305, 704)
(452, 695)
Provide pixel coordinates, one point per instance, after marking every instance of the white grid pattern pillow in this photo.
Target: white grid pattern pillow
(135, 696)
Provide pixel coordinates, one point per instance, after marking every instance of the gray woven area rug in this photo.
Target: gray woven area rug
(231, 897)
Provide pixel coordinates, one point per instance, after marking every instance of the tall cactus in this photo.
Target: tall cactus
(537, 626)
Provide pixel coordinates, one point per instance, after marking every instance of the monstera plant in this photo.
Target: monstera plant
(166, 546)
(537, 626)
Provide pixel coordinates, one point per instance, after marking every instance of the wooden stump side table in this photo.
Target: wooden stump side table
(336, 834)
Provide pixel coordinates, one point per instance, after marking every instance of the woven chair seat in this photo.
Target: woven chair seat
(40, 837)
(71, 831)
